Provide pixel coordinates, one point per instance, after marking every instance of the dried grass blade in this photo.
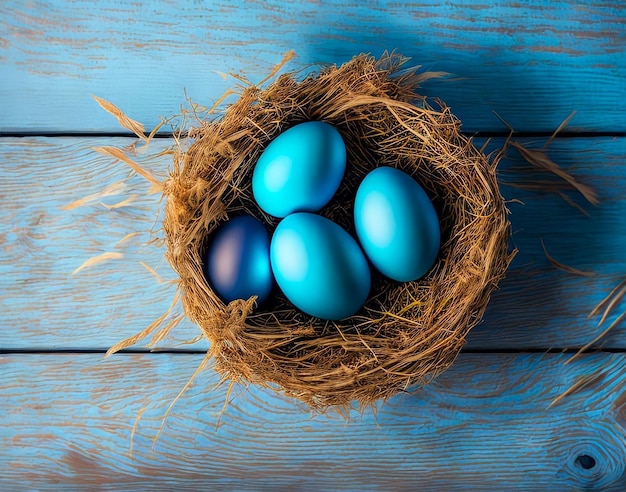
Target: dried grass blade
(563, 267)
(584, 348)
(579, 385)
(563, 124)
(126, 122)
(152, 271)
(111, 255)
(422, 77)
(604, 301)
(165, 331)
(286, 58)
(147, 331)
(618, 297)
(133, 431)
(200, 368)
(572, 203)
(137, 337)
(111, 190)
(119, 155)
(123, 203)
(540, 160)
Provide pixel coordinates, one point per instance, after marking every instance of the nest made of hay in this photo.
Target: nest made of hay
(406, 334)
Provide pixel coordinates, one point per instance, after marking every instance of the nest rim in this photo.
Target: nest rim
(406, 334)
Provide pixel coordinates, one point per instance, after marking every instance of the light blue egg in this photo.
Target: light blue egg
(396, 224)
(319, 266)
(300, 170)
(238, 260)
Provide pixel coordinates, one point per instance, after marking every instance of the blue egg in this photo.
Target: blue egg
(396, 224)
(300, 170)
(319, 266)
(238, 260)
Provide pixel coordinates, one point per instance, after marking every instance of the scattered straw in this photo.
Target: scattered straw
(126, 238)
(126, 122)
(134, 430)
(111, 190)
(152, 272)
(118, 154)
(580, 384)
(540, 160)
(618, 289)
(111, 255)
(201, 367)
(560, 128)
(609, 303)
(147, 331)
(563, 267)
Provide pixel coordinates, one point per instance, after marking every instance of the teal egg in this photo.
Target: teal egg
(319, 266)
(237, 263)
(396, 224)
(300, 170)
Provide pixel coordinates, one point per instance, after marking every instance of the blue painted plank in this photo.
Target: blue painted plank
(483, 425)
(539, 306)
(43, 244)
(45, 306)
(533, 63)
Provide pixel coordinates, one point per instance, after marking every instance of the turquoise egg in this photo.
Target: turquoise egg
(319, 266)
(300, 170)
(396, 224)
(238, 260)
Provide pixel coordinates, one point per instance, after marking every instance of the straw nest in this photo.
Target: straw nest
(407, 333)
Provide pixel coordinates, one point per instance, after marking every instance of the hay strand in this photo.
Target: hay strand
(560, 128)
(132, 340)
(157, 186)
(610, 301)
(565, 268)
(580, 384)
(126, 122)
(111, 190)
(110, 255)
(199, 369)
(540, 160)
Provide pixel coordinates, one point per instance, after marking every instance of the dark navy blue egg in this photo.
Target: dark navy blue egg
(238, 260)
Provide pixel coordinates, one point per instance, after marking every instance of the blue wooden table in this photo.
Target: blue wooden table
(490, 423)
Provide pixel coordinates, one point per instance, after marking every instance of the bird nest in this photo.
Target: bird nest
(407, 333)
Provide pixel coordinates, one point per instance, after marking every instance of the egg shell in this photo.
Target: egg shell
(319, 266)
(396, 224)
(300, 170)
(238, 260)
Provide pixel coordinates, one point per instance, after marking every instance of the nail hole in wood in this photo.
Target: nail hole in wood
(585, 461)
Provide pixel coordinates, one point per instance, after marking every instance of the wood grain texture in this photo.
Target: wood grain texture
(44, 303)
(45, 306)
(532, 62)
(484, 425)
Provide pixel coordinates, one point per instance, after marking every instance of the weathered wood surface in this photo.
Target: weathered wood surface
(45, 306)
(485, 424)
(532, 62)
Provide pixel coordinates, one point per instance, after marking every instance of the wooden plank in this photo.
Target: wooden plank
(44, 303)
(539, 305)
(483, 425)
(45, 306)
(532, 63)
